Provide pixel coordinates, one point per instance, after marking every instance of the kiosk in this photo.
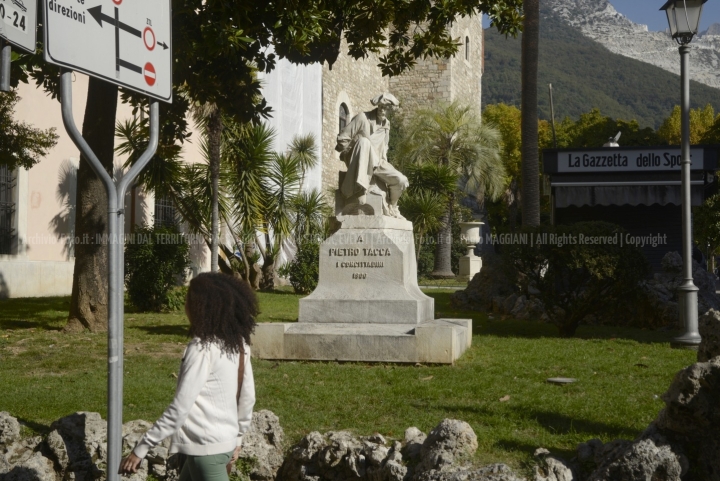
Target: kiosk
(637, 188)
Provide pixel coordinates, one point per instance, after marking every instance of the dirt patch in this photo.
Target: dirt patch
(165, 350)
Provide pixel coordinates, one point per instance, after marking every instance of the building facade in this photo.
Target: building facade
(37, 206)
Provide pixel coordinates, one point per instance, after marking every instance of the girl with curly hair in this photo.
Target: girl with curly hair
(215, 395)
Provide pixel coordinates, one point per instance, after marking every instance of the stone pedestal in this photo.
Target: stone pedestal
(469, 266)
(367, 305)
(368, 275)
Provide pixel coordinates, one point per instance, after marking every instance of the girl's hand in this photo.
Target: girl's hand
(236, 455)
(129, 464)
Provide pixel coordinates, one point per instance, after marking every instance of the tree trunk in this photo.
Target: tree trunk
(530, 160)
(267, 283)
(443, 248)
(89, 302)
(215, 129)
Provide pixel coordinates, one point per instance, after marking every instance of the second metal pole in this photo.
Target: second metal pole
(687, 291)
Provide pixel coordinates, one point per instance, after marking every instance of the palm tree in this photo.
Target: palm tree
(310, 210)
(530, 159)
(304, 149)
(424, 209)
(452, 136)
(210, 119)
(258, 191)
(282, 186)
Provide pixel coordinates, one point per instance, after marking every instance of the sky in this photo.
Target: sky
(648, 13)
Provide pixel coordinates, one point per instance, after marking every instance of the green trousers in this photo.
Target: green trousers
(206, 468)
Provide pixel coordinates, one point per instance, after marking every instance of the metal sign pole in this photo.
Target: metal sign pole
(5, 58)
(116, 271)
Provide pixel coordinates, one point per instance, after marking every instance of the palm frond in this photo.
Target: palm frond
(248, 155)
(162, 172)
(282, 186)
(310, 210)
(304, 149)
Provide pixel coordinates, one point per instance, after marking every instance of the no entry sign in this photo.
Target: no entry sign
(19, 23)
(125, 42)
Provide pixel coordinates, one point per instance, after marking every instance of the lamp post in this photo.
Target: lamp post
(684, 20)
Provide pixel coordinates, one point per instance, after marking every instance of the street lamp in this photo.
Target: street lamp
(684, 19)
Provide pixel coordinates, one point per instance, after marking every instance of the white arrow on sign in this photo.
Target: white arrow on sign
(19, 23)
(115, 40)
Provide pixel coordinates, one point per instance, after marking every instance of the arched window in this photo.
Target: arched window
(344, 114)
(467, 48)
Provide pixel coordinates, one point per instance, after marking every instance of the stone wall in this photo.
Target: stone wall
(466, 70)
(354, 83)
(429, 81)
(435, 80)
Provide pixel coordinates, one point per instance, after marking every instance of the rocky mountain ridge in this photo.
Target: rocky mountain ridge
(598, 20)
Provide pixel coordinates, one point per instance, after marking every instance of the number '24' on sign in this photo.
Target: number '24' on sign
(11, 16)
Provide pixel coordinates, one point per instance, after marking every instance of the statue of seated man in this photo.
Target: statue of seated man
(363, 146)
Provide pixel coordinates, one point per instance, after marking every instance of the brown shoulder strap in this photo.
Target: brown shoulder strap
(241, 372)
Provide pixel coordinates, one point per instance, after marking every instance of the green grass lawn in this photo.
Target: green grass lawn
(46, 374)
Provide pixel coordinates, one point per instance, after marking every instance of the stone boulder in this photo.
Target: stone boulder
(451, 442)
(490, 283)
(35, 468)
(494, 472)
(341, 456)
(552, 468)
(682, 442)
(263, 446)
(78, 445)
(22, 450)
(649, 458)
(443, 455)
(414, 439)
(155, 462)
(9, 429)
(709, 326)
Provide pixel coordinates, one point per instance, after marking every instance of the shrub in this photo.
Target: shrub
(304, 270)
(156, 259)
(574, 277)
(175, 298)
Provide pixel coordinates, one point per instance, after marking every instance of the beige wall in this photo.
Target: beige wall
(46, 211)
(43, 264)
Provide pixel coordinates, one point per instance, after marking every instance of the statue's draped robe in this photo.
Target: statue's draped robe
(363, 146)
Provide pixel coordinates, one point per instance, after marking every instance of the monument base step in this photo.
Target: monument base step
(441, 341)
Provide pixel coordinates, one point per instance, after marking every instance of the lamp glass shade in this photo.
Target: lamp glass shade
(683, 16)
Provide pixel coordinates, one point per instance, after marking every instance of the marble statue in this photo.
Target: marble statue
(363, 146)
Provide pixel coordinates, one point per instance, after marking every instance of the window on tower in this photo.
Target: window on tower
(344, 114)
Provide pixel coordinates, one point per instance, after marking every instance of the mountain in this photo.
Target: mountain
(713, 29)
(584, 73)
(598, 20)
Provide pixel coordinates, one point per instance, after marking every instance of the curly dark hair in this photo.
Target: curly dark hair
(221, 309)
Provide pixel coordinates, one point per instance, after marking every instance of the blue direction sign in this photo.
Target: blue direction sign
(126, 42)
